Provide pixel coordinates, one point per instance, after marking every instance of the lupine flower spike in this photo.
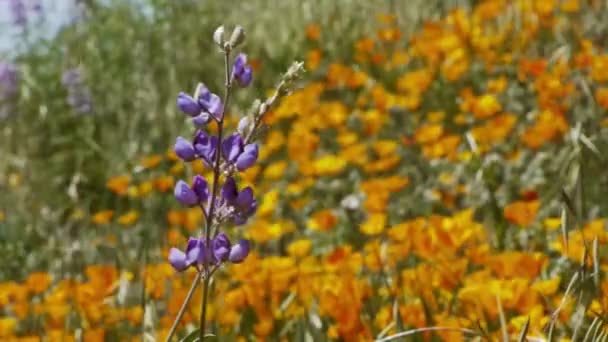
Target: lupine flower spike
(225, 154)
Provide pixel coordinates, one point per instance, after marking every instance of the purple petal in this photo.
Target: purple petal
(184, 149)
(248, 157)
(221, 247)
(193, 253)
(239, 251)
(229, 191)
(188, 105)
(245, 198)
(185, 195)
(239, 63)
(192, 243)
(213, 105)
(202, 92)
(245, 77)
(201, 120)
(201, 188)
(177, 259)
(216, 107)
(206, 146)
(239, 219)
(232, 147)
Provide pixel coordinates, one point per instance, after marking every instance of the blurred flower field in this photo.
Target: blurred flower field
(442, 164)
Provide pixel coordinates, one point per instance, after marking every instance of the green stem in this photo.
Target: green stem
(216, 176)
(204, 308)
(182, 310)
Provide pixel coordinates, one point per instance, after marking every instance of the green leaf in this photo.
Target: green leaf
(569, 203)
(591, 146)
(564, 226)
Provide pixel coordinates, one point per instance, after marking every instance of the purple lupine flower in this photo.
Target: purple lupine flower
(201, 106)
(184, 149)
(201, 188)
(195, 254)
(177, 259)
(245, 205)
(210, 102)
(243, 202)
(188, 105)
(205, 147)
(19, 12)
(229, 192)
(191, 196)
(241, 71)
(78, 94)
(221, 248)
(237, 153)
(185, 195)
(239, 251)
(9, 81)
(201, 120)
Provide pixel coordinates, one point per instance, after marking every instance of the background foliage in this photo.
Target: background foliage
(443, 163)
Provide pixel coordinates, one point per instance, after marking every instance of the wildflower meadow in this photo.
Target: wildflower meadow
(312, 170)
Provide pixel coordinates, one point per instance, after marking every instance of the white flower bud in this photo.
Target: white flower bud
(255, 107)
(218, 36)
(244, 126)
(263, 109)
(237, 37)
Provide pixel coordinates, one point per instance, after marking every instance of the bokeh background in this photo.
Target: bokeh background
(440, 164)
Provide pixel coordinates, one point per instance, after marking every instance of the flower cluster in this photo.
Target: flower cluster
(198, 253)
(236, 154)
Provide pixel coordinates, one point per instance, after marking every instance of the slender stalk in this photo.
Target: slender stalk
(216, 176)
(201, 335)
(182, 310)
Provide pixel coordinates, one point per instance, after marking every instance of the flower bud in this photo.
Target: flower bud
(255, 107)
(294, 71)
(239, 251)
(221, 247)
(237, 37)
(244, 125)
(184, 149)
(263, 109)
(201, 120)
(177, 259)
(188, 105)
(185, 195)
(218, 36)
(201, 188)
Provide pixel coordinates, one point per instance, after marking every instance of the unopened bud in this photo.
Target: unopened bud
(244, 125)
(294, 71)
(255, 107)
(218, 36)
(237, 37)
(263, 108)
